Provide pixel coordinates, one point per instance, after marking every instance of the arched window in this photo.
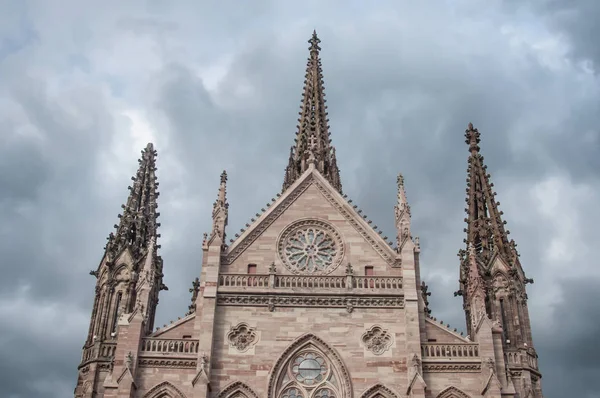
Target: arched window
(452, 392)
(379, 391)
(164, 390)
(237, 390)
(309, 368)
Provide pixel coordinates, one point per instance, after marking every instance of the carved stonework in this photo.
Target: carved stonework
(167, 363)
(237, 249)
(310, 246)
(385, 252)
(452, 368)
(256, 300)
(242, 337)
(377, 340)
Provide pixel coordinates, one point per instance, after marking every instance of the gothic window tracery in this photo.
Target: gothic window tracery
(308, 375)
(309, 371)
(310, 247)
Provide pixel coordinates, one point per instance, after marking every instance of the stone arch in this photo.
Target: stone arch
(310, 341)
(237, 389)
(379, 391)
(452, 392)
(164, 390)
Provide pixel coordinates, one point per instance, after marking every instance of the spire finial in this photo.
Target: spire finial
(400, 181)
(313, 122)
(472, 138)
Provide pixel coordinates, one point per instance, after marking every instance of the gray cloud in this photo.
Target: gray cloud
(220, 90)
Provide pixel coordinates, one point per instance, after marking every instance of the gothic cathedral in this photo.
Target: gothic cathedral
(309, 300)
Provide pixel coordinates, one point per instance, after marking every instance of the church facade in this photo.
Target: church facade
(310, 300)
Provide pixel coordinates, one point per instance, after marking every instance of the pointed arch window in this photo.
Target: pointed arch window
(309, 369)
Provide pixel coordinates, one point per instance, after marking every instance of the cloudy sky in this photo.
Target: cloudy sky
(216, 85)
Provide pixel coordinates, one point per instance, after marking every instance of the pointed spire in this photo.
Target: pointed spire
(138, 225)
(312, 143)
(220, 209)
(402, 213)
(485, 228)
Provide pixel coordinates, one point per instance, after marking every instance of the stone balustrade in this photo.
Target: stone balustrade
(374, 282)
(154, 345)
(103, 351)
(244, 280)
(450, 351)
(521, 358)
(273, 281)
(310, 282)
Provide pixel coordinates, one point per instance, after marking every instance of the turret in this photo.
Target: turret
(129, 276)
(491, 270)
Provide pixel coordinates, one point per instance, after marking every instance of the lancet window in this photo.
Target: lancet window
(310, 370)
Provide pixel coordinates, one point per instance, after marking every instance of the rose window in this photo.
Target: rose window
(311, 247)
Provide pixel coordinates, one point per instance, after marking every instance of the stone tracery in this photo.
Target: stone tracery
(377, 340)
(310, 247)
(242, 337)
(309, 368)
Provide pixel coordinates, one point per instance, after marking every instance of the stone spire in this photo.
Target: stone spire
(220, 212)
(138, 223)
(129, 276)
(485, 228)
(312, 143)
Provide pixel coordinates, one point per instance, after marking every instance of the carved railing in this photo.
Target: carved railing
(244, 280)
(519, 358)
(450, 351)
(311, 282)
(104, 351)
(376, 282)
(273, 281)
(153, 345)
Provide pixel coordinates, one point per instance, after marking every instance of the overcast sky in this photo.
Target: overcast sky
(216, 85)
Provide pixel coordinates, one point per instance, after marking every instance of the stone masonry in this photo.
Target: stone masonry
(309, 300)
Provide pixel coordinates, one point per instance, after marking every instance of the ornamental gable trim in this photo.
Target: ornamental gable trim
(279, 206)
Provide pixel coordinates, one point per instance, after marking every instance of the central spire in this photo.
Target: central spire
(312, 143)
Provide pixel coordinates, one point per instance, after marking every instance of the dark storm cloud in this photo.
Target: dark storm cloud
(578, 21)
(220, 90)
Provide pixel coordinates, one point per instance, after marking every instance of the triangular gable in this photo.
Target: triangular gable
(311, 177)
(453, 336)
(173, 326)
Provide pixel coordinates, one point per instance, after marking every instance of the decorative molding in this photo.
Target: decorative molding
(377, 340)
(237, 389)
(317, 224)
(284, 300)
(167, 363)
(162, 389)
(385, 252)
(452, 392)
(242, 337)
(302, 342)
(262, 225)
(449, 368)
(379, 391)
